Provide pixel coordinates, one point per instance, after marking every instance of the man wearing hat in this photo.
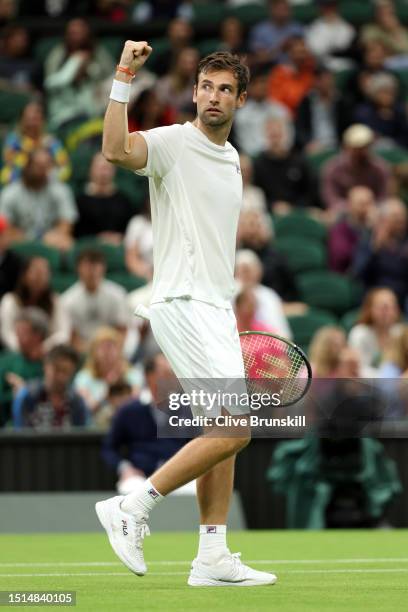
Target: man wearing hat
(355, 165)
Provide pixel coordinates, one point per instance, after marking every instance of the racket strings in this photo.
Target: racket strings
(269, 361)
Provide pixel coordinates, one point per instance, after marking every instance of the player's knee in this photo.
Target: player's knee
(244, 441)
(236, 444)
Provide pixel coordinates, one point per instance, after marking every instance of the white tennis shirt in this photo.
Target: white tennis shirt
(195, 196)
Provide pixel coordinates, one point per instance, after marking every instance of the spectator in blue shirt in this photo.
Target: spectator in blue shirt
(51, 403)
(132, 446)
(267, 39)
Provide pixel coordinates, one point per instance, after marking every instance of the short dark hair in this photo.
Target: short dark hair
(92, 255)
(223, 60)
(119, 388)
(63, 351)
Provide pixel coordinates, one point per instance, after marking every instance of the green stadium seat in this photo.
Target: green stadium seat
(207, 46)
(113, 45)
(249, 14)
(61, 281)
(356, 12)
(349, 319)
(342, 77)
(299, 225)
(43, 47)
(302, 255)
(81, 160)
(126, 280)
(329, 291)
(114, 255)
(12, 104)
(160, 46)
(305, 13)
(210, 13)
(33, 248)
(16, 363)
(402, 10)
(317, 160)
(134, 186)
(305, 326)
(394, 155)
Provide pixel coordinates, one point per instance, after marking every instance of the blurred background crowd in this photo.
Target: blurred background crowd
(322, 243)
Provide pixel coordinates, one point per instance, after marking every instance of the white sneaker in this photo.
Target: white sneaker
(125, 532)
(229, 571)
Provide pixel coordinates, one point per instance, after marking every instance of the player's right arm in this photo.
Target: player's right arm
(120, 147)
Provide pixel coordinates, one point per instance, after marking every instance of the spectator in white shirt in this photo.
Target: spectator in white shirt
(253, 198)
(94, 301)
(330, 37)
(139, 244)
(377, 325)
(251, 119)
(269, 310)
(38, 207)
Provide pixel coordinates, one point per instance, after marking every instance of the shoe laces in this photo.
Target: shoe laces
(236, 558)
(142, 530)
(236, 562)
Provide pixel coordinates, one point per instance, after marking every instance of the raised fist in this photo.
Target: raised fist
(134, 55)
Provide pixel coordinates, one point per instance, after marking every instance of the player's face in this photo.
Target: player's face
(217, 99)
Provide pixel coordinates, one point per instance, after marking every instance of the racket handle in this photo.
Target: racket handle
(142, 312)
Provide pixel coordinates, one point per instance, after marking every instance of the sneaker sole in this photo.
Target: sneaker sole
(104, 521)
(211, 582)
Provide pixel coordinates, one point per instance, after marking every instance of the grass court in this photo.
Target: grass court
(317, 571)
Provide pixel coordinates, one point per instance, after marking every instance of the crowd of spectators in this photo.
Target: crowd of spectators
(327, 106)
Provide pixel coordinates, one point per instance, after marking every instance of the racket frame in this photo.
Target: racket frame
(297, 349)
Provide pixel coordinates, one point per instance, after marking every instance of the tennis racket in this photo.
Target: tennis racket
(275, 365)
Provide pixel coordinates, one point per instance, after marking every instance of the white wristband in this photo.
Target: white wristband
(120, 91)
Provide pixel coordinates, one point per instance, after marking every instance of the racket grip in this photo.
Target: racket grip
(142, 312)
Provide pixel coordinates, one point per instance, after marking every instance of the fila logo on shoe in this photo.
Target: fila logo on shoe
(124, 527)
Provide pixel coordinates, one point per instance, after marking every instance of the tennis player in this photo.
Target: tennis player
(196, 193)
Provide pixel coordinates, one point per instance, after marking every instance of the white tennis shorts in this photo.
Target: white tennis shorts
(201, 343)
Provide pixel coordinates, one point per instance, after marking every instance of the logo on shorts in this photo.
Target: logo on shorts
(211, 529)
(153, 493)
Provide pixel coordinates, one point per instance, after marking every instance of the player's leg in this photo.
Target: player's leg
(125, 518)
(214, 564)
(214, 492)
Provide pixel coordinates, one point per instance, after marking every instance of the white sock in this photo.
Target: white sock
(213, 542)
(143, 500)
